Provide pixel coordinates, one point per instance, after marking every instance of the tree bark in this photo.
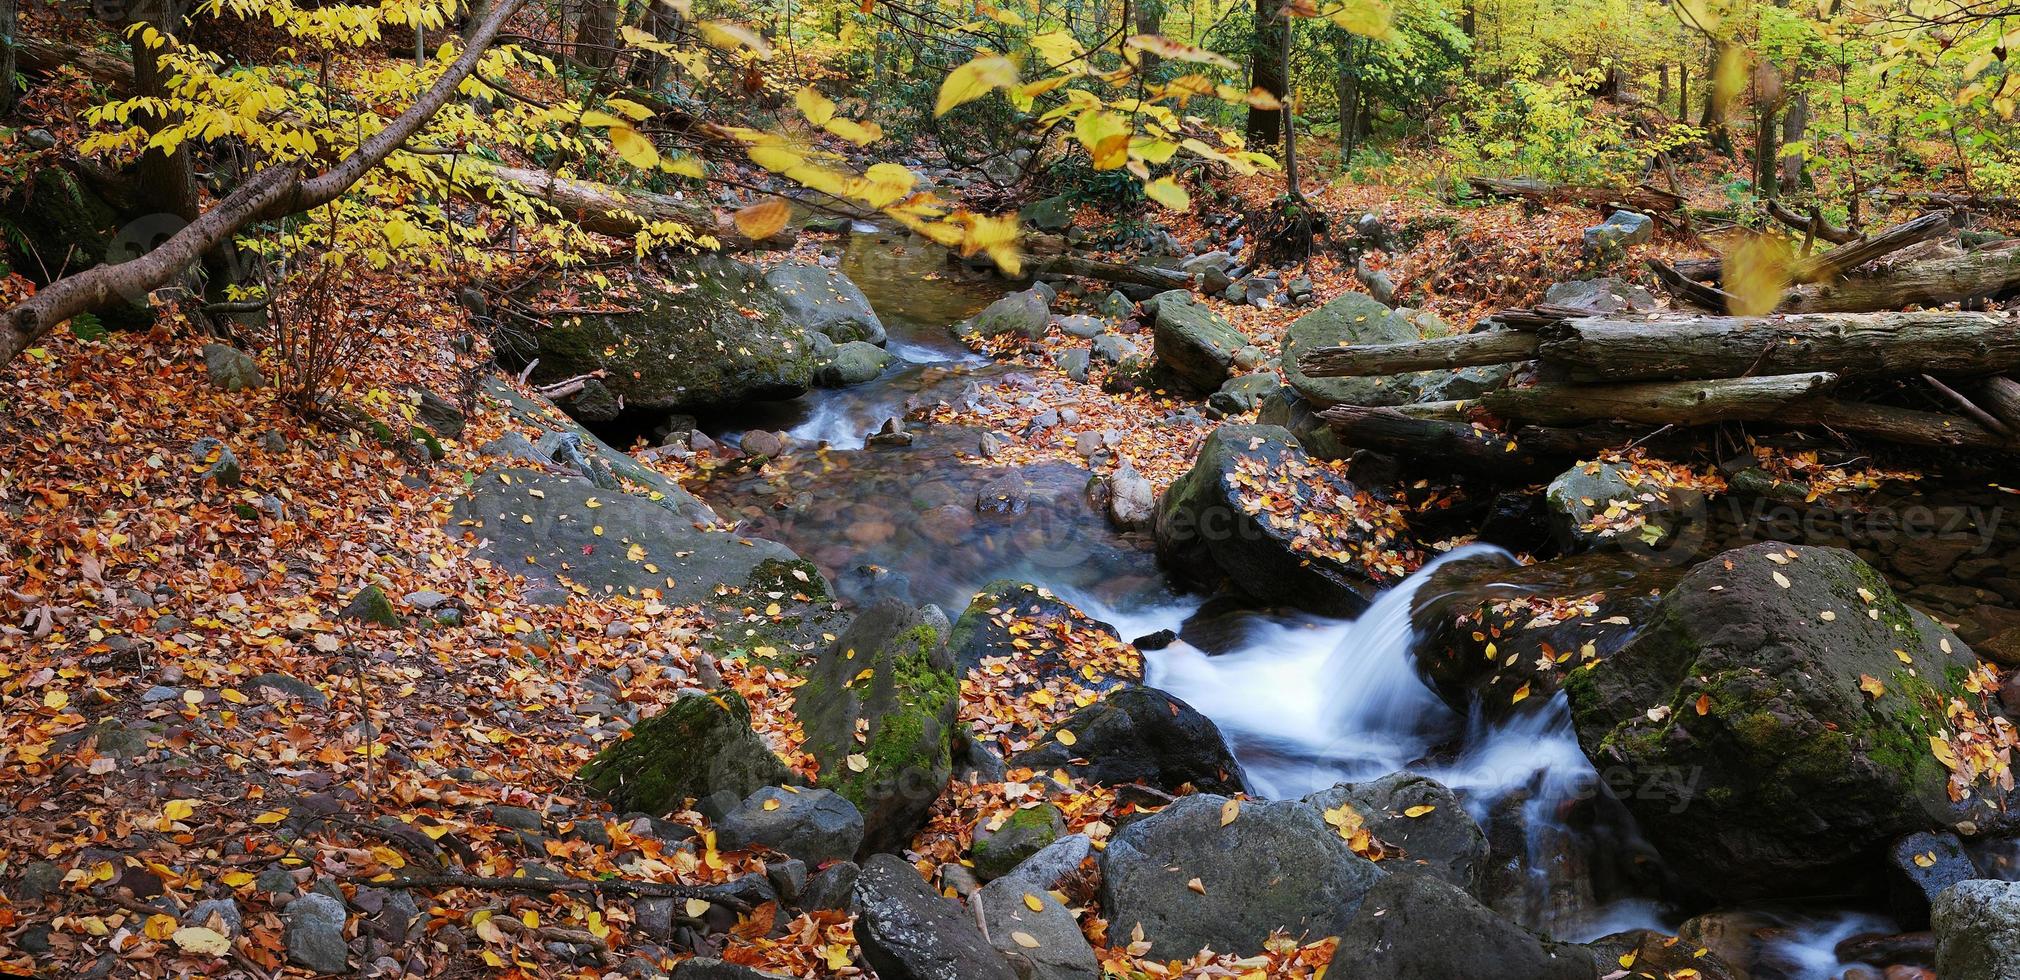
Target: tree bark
(2001, 396)
(1459, 350)
(1848, 345)
(1932, 283)
(1902, 425)
(1437, 444)
(10, 17)
(596, 35)
(1829, 265)
(1266, 71)
(273, 192)
(609, 210)
(1659, 402)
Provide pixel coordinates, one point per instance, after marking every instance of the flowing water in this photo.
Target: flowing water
(1305, 702)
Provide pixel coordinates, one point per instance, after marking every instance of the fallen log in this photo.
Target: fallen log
(1466, 448)
(1903, 425)
(1642, 198)
(1852, 345)
(605, 209)
(1826, 266)
(1659, 402)
(2001, 396)
(1689, 289)
(1973, 275)
(1117, 272)
(1459, 350)
(1811, 224)
(36, 56)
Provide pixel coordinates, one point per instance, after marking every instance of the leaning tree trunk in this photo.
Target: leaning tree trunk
(1265, 126)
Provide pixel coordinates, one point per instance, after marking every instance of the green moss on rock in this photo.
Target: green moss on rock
(695, 748)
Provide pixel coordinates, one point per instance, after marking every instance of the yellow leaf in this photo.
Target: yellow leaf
(634, 147)
(1520, 693)
(202, 941)
(973, 80)
(1872, 686)
(1066, 737)
(813, 105)
(55, 700)
(858, 762)
(159, 927)
(697, 907)
(1418, 810)
(271, 817)
(727, 36)
(178, 809)
(761, 221)
(772, 804)
(1025, 939)
(1757, 274)
(1228, 811)
(236, 879)
(1166, 191)
(1033, 902)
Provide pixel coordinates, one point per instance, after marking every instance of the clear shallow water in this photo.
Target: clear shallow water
(1306, 702)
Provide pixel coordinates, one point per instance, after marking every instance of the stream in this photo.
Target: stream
(1305, 702)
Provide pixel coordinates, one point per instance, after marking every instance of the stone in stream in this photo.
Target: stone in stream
(890, 671)
(908, 932)
(813, 825)
(853, 363)
(1598, 504)
(1655, 954)
(1132, 501)
(1192, 341)
(1920, 866)
(1422, 820)
(1418, 927)
(827, 302)
(1274, 865)
(1357, 318)
(1016, 622)
(1139, 734)
(699, 746)
(1780, 712)
(712, 333)
(1977, 925)
(1022, 313)
(1210, 525)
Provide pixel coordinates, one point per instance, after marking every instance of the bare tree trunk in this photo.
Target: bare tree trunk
(9, 25)
(1265, 126)
(596, 36)
(1795, 123)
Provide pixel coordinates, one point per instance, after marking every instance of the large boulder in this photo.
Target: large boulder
(713, 333)
(1598, 504)
(1046, 939)
(567, 444)
(1357, 318)
(561, 529)
(909, 933)
(889, 678)
(825, 301)
(1977, 926)
(1422, 827)
(813, 825)
(1192, 878)
(697, 747)
(1025, 314)
(853, 363)
(1418, 927)
(1280, 526)
(1139, 735)
(1031, 633)
(1781, 713)
(1193, 342)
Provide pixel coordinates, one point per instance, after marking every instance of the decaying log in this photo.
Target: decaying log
(1826, 266)
(1689, 289)
(37, 56)
(1812, 224)
(1903, 425)
(1642, 198)
(1987, 272)
(1459, 350)
(1117, 272)
(1852, 345)
(607, 210)
(1466, 448)
(1659, 402)
(2001, 396)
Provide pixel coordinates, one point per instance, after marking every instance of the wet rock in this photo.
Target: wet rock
(1240, 394)
(704, 968)
(1418, 927)
(712, 333)
(1021, 313)
(595, 403)
(1012, 619)
(762, 444)
(232, 369)
(813, 825)
(891, 433)
(1053, 213)
(825, 301)
(1596, 505)
(370, 605)
(909, 933)
(1441, 841)
(1798, 773)
(313, 928)
(1655, 954)
(1602, 295)
(1621, 228)
(830, 888)
(1275, 865)
(853, 363)
(1920, 866)
(1357, 318)
(905, 703)
(1193, 342)
(1205, 532)
(1139, 734)
(1977, 926)
(1056, 949)
(696, 747)
(1132, 501)
(1003, 843)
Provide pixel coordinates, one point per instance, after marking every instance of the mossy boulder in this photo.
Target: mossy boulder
(1357, 318)
(1192, 342)
(699, 746)
(853, 363)
(1775, 714)
(1596, 504)
(708, 334)
(825, 301)
(1001, 844)
(1026, 313)
(889, 679)
(370, 605)
(1208, 527)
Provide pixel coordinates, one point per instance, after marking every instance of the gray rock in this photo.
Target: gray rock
(226, 910)
(1050, 868)
(424, 600)
(856, 362)
(1053, 213)
(1602, 295)
(289, 687)
(370, 605)
(833, 887)
(276, 881)
(762, 444)
(1350, 319)
(1113, 348)
(1417, 927)
(703, 968)
(1193, 342)
(313, 928)
(1241, 393)
(1379, 285)
(1073, 363)
(1061, 952)
(813, 825)
(1081, 325)
(231, 369)
(1275, 865)
(1977, 925)
(1592, 505)
(1443, 842)
(1132, 500)
(1922, 865)
(1620, 229)
(1116, 306)
(1022, 313)
(224, 468)
(825, 301)
(909, 933)
(512, 445)
(999, 847)
(1139, 734)
(39, 880)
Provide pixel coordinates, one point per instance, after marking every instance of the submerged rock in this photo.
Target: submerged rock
(1275, 865)
(891, 672)
(1777, 713)
(697, 747)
